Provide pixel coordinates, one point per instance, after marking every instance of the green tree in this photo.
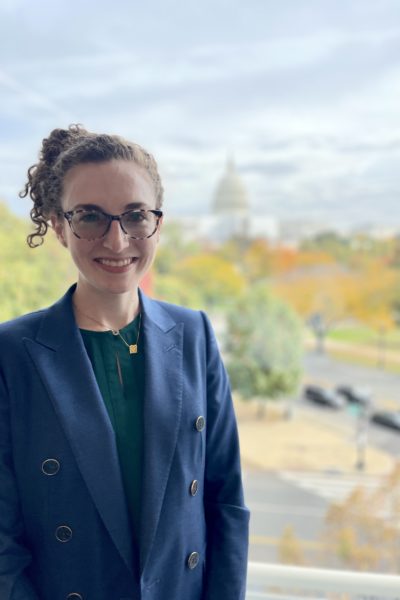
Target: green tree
(264, 346)
(171, 288)
(29, 278)
(173, 248)
(216, 281)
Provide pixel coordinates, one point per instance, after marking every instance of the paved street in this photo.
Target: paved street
(275, 503)
(299, 499)
(384, 386)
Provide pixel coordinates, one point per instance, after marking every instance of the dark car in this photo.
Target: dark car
(354, 395)
(387, 418)
(320, 395)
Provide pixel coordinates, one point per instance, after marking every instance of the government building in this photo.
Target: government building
(231, 214)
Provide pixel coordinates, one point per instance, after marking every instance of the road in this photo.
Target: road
(274, 504)
(301, 499)
(298, 499)
(384, 388)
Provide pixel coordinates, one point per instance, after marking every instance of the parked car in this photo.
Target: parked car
(354, 395)
(320, 395)
(387, 418)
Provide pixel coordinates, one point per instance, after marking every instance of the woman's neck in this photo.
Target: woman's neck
(99, 311)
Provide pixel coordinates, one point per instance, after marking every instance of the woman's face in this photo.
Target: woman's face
(115, 263)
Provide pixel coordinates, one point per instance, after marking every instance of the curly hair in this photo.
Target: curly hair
(67, 148)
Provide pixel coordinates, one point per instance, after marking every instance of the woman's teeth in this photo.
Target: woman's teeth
(115, 263)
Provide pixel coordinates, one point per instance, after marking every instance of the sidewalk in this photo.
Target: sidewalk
(300, 443)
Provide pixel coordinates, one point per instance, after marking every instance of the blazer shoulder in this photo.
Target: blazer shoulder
(28, 325)
(22, 326)
(196, 322)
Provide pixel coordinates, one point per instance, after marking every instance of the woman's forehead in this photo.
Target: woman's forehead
(116, 182)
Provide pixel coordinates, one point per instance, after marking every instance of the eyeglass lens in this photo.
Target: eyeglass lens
(92, 224)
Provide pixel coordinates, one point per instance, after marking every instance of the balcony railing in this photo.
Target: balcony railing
(268, 580)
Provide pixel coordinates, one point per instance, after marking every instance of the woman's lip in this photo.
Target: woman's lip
(118, 262)
(115, 268)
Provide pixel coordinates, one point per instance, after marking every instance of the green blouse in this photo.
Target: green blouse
(120, 377)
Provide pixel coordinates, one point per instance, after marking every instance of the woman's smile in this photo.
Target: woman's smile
(116, 265)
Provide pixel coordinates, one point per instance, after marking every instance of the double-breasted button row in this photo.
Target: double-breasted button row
(193, 560)
(50, 466)
(74, 596)
(200, 423)
(64, 533)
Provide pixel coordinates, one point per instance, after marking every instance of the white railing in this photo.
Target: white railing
(297, 580)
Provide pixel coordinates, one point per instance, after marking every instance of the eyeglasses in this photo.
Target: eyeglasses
(93, 224)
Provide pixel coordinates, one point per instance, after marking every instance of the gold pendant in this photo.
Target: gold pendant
(133, 349)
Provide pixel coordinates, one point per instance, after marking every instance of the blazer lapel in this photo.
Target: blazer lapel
(60, 357)
(162, 412)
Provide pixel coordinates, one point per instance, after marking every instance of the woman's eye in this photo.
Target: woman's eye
(91, 217)
(136, 217)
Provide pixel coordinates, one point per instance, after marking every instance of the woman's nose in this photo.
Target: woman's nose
(115, 239)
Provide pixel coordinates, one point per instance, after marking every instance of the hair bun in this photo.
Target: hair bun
(58, 141)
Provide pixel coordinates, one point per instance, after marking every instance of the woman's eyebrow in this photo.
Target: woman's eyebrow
(133, 205)
(92, 206)
(86, 207)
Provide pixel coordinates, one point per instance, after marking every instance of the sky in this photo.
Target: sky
(304, 94)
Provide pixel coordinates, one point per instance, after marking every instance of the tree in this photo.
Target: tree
(257, 260)
(29, 278)
(290, 551)
(173, 248)
(215, 280)
(171, 288)
(362, 532)
(264, 346)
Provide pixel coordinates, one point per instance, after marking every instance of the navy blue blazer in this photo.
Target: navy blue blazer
(64, 525)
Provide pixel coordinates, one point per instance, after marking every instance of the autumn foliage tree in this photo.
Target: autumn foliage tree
(219, 280)
(290, 550)
(362, 532)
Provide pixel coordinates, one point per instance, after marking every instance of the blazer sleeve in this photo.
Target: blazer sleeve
(14, 557)
(227, 517)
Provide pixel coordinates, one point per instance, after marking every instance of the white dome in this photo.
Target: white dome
(230, 194)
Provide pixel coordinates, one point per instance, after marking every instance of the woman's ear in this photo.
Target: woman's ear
(58, 225)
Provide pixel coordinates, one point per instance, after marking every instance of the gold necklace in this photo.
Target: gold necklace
(133, 348)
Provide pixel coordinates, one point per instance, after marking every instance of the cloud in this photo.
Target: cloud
(269, 168)
(305, 94)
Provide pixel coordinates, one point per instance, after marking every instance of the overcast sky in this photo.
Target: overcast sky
(305, 94)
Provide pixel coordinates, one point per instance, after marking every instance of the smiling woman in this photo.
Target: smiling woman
(119, 460)
(108, 257)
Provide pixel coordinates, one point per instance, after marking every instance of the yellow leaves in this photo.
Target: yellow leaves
(218, 280)
(257, 260)
(290, 551)
(342, 294)
(362, 532)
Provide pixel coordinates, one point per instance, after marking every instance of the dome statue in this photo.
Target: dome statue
(230, 195)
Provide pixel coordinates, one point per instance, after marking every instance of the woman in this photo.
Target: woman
(120, 474)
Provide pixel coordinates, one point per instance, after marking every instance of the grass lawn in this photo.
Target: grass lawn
(367, 336)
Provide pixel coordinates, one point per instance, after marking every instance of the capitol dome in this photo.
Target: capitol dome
(230, 194)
